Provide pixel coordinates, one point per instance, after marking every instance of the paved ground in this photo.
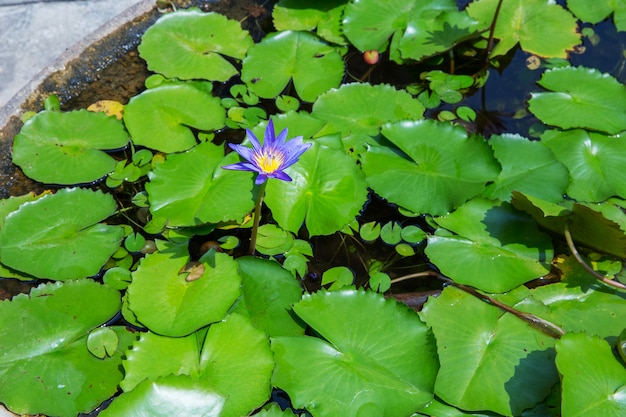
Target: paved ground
(34, 33)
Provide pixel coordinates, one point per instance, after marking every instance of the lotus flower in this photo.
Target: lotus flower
(272, 158)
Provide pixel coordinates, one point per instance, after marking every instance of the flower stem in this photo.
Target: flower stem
(257, 218)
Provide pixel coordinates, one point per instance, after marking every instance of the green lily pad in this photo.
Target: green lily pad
(66, 240)
(7, 206)
(362, 375)
(169, 396)
(528, 167)
(529, 23)
(417, 29)
(234, 358)
(364, 108)
(67, 148)
(237, 358)
(191, 188)
(269, 290)
(144, 359)
(45, 366)
(598, 226)
(441, 169)
(594, 382)
(160, 118)
(581, 97)
(323, 16)
(490, 360)
(496, 247)
(595, 163)
(327, 192)
(581, 303)
(301, 57)
(190, 44)
(597, 11)
(184, 306)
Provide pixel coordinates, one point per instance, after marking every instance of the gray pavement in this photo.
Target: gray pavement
(34, 33)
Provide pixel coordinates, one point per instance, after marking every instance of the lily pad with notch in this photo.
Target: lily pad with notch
(367, 377)
(191, 188)
(189, 44)
(417, 29)
(593, 380)
(323, 16)
(184, 305)
(437, 167)
(161, 118)
(68, 148)
(529, 23)
(59, 236)
(595, 162)
(496, 247)
(597, 11)
(328, 190)
(581, 97)
(301, 57)
(363, 108)
(50, 347)
(490, 360)
(233, 358)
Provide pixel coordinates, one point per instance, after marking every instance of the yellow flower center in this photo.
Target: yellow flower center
(269, 162)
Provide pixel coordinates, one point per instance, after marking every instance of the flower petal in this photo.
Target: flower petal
(260, 179)
(242, 166)
(253, 140)
(244, 151)
(269, 138)
(282, 137)
(281, 175)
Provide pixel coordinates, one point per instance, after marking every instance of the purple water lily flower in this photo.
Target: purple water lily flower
(272, 158)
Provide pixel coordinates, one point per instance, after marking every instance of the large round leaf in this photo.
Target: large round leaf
(45, 366)
(531, 23)
(496, 248)
(364, 108)
(164, 301)
(490, 360)
(581, 303)
(598, 226)
(594, 382)
(327, 191)
(298, 56)
(191, 188)
(441, 168)
(169, 396)
(595, 163)
(235, 358)
(66, 148)
(418, 29)
(269, 290)
(356, 371)
(323, 16)
(594, 12)
(7, 206)
(58, 236)
(194, 45)
(581, 97)
(160, 118)
(528, 167)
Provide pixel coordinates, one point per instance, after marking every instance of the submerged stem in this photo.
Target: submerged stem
(545, 326)
(257, 218)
